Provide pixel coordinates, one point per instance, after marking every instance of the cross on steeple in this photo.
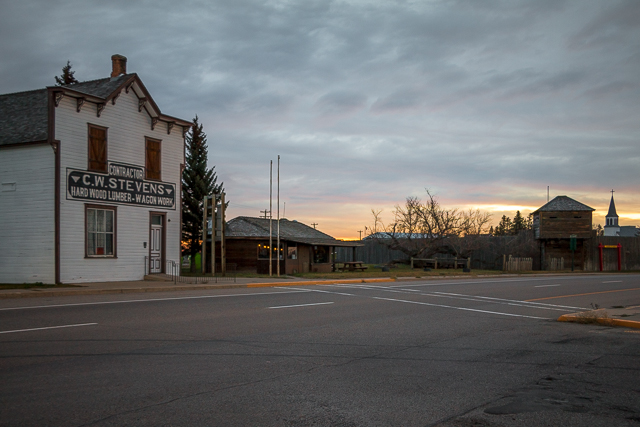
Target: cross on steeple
(612, 193)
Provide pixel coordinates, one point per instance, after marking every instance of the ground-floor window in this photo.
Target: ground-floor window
(100, 231)
(263, 252)
(320, 254)
(292, 252)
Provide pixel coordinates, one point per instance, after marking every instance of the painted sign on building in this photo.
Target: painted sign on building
(123, 184)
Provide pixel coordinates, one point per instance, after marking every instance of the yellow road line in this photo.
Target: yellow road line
(579, 295)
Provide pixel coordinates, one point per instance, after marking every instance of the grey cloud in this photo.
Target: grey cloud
(616, 24)
(340, 102)
(466, 97)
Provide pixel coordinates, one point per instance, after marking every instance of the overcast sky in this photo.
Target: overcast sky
(485, 103)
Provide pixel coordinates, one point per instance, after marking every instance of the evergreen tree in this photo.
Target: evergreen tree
(528, 223)
(504, 227)
(198, 181)
(66, 78)
(518, 223)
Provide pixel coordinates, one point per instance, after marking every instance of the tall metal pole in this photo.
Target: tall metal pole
(270, 217)
(278, 246)
(214, 222)
(203, 253)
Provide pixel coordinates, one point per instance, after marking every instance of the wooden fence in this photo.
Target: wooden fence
(490, 255)
(517, 263)
(630, 253)
(555, 264)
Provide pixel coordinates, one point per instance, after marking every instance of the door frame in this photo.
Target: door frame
(163, 236)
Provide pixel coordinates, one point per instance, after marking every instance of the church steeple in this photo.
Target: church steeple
(612, 228)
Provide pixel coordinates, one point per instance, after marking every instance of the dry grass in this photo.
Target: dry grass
(600, 317)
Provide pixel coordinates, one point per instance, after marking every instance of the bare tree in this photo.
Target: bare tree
(472, 233)
(419, 229)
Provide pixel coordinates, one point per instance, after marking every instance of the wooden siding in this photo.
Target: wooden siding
(127, 129)
(630, 253)
(559, 248)
(561, 225)
(27, 225)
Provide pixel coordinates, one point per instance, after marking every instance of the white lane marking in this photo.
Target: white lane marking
(48, 327)
(460, 308)
(545, 286)
(496, 301)
(533, 304)
(148, 300)
(614, 281)
(324, 292)
(516, 303)
(444, 306)
(475, 282)
(300, 305)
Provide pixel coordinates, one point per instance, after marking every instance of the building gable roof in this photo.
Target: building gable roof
(564, 204)
(293, 231)
(24, 115)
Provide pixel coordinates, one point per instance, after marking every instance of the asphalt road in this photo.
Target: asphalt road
(483, 352)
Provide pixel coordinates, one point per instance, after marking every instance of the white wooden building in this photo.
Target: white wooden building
(90, 176)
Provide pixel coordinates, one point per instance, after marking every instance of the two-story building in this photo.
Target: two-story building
(90, 182)
(555, 225)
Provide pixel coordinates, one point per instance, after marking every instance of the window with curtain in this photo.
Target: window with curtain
(100, 232)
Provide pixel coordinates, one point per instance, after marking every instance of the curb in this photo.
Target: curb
(592, 317)
(40, 294)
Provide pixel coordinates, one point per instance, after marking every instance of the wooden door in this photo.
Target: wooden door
(155, 255)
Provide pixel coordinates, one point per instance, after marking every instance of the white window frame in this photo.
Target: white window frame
(98, 233)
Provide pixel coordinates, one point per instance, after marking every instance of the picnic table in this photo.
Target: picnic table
(350, 266)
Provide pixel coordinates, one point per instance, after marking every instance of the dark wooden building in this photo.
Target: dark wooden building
(555, 223)
(303, 249)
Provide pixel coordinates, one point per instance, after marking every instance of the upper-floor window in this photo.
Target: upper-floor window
(153, 159)
(97, 148)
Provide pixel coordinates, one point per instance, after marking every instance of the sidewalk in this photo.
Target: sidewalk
(103, 288)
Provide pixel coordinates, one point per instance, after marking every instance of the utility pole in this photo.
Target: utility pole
(223, 246)
(270, 221)
(203, 253)
(360, 231)
(314, 225)
(214, 225)
(265, 212)
(278, 246)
